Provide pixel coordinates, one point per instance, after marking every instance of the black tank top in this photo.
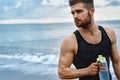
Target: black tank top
(87, 53)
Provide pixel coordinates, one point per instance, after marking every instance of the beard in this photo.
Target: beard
(85, 23)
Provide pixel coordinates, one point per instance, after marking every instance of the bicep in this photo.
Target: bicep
(65, 59)
(66, 54)
(115, 54)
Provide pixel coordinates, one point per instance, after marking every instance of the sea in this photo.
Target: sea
(30, 51)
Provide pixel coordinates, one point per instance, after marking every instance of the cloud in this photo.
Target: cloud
(43, 9)
(6, 8)
(105, 3)
(11, 9)
(33, 9)
(18, 5)
(114, 3)
(101, 3)
(48, 12)
(107, 13)
(54, 2)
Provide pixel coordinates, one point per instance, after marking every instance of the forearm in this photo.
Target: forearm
(117, 69)
(70, 73)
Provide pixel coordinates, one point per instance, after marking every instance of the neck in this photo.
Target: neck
(92, 28)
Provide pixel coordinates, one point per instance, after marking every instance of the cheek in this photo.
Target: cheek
(82, 16)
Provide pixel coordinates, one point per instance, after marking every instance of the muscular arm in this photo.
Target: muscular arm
(115, 55)
(67, 52)
(116, 61)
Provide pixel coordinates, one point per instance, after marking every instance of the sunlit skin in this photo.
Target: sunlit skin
(82, 17)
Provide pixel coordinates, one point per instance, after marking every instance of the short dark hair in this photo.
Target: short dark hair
(88, 3)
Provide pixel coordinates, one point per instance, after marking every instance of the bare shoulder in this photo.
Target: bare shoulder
(111, 33)
(109, 30)
(69, 42)
(69, 38)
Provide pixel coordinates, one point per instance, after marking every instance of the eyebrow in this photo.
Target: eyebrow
(78, 11)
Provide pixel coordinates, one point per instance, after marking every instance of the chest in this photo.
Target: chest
(92, 38)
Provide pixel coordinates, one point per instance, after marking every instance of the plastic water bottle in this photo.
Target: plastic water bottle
(103, 74)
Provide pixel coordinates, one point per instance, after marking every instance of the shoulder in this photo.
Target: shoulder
(111, 34)
(69, 42)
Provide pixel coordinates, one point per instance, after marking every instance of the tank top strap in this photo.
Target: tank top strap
(104, 34)
(78, 38)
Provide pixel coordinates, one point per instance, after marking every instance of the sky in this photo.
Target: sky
(54, 9)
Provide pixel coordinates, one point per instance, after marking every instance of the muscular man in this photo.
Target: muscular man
(83, 46)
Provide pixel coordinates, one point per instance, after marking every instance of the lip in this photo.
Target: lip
(77, 21)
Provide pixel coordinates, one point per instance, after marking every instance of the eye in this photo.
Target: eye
(79, 11)
(72, 13)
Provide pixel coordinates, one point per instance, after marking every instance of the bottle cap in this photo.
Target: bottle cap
(99, 58)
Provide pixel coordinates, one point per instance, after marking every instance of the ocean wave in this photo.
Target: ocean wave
(44, 59)
(7, 66)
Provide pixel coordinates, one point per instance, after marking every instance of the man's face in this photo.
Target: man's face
(81, 15)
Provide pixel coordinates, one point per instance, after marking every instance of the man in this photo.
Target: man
(83, 46)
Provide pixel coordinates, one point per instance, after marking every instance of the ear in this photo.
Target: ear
(92, 10)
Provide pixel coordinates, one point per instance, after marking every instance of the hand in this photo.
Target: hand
(93, 69)
(101, 66)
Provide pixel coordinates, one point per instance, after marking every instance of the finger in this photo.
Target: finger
(102, 68)
(101, 64)
(95, 64)
(94, 70)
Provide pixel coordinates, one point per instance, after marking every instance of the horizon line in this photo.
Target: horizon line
(20, 21)
(42, 21)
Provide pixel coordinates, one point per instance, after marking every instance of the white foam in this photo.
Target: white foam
(45, 59)
(7, 66)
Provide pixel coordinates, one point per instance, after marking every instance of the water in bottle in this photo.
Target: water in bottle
(103, 74)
